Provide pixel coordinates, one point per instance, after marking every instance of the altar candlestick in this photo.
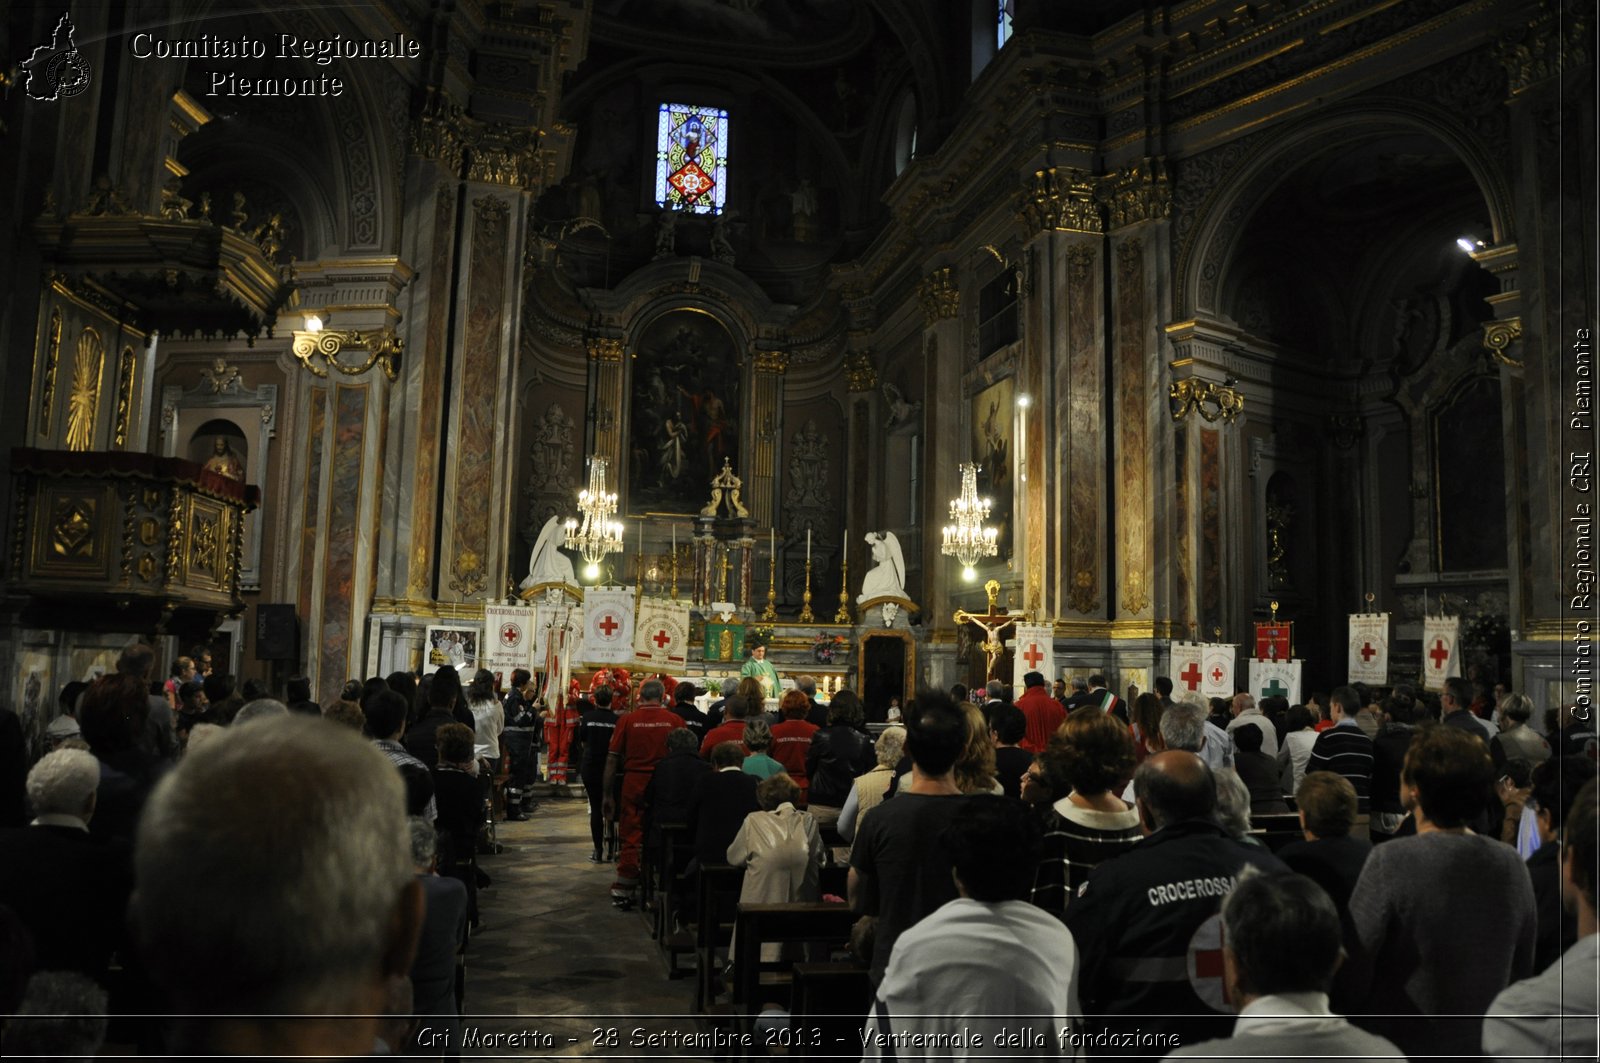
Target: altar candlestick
(808, 546)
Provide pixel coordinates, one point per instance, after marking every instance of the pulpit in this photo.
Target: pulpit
(117, 541)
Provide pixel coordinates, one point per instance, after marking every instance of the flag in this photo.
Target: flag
(508, 638)
(1275, 679)
(661, 634)
(1033, 651)
(1274, 640)
(1441, 657)
(1216, 670)
(1369, 648)
(561, 637)
(547, 618)
(1186, 663)
(608, 626)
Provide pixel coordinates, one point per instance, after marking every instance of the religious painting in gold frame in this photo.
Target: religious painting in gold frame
(993, 449)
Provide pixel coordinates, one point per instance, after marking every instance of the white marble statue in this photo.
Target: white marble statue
(887, 576)
(548, 564)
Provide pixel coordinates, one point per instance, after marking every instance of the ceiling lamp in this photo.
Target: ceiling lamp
(598, 535)
(966, 539)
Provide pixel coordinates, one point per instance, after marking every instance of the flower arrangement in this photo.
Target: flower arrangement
(827, 647)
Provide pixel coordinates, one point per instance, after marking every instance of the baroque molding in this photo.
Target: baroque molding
(859, 372)
(1060, 199)
(1539, 50)
(940, 296)
(319, 351)
(1498, 337)
(1142, 192)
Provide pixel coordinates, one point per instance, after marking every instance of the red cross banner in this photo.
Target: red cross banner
(1033, 650)
(1186, 662)
(564, 620)
(1274, 640)
(608, 625)
(507, 638)
(1369, 648)
(661, 635)
(1216, 671)
(1441, 637)
(1275, 679)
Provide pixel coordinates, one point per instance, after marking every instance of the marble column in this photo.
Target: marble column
(944, 452)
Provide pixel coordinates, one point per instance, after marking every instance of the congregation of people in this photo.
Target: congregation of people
(1110, 876)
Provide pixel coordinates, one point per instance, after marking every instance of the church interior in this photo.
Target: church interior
(1183, 282)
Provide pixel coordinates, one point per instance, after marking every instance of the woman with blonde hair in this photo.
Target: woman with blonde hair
(870, 789)
(975, 767)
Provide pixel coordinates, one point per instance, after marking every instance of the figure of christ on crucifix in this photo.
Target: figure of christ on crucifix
(993, 623)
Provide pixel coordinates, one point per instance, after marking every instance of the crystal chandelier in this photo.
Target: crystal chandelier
(598, 536)
(967, 540)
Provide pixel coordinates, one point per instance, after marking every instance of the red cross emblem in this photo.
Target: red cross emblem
(1367, 652)
(1033, 656)
(510, 635)
(661, 638)
(1217, 674)
(1439, 654)
(1191, 676)
(608, 625)
(691, 182)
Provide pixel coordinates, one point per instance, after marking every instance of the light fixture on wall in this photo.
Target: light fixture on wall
(966, 539)
(598, 535)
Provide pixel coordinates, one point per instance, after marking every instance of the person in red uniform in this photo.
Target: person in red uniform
(638, 744)
(1044, 713)
(791, 739)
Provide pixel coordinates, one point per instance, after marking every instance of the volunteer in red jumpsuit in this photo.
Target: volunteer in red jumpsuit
(638, 744)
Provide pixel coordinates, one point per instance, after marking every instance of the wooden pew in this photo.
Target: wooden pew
(672, 883)
(1277, 830)
(831, 998)
(715, 913)
(803, 927)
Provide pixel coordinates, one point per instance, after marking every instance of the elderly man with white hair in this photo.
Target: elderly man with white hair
(70, 888)
(1184, 726)
(278, 906)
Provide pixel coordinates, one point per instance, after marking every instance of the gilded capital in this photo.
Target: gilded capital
(939, 294)
(772, 362)
(1537, 52)
(1214, 402)
(1499, 335)
(859, 372)
(1142, 192)
(501, 155)
(440, 132)
(1061, 199)
(321, 351)
(605, 349)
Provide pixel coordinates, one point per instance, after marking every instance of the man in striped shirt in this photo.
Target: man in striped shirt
(1344, 748)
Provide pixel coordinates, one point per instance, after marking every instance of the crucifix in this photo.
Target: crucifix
(993, 623)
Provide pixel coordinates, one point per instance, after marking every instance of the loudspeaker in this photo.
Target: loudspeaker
(277, 633)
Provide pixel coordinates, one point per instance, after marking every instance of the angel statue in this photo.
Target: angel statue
(900, 410)
(548, 564)
(887, 577)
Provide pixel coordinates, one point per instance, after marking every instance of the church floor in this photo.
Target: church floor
(552, 955)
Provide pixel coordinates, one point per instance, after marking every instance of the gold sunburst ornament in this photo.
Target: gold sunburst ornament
(84, 402)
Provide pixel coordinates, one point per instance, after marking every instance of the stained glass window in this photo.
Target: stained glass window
(692, 158)
(1004, 19)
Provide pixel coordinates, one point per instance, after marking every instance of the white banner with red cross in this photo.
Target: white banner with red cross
(661, 634)
(1275, 679)
(1033, 650)
(1369, 648)
(1441, 643)
(507, 638)
(1216, 669)
(1187, 677)
(608, 625)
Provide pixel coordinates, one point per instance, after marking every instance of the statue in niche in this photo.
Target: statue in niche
(224, 462)
(887, 577)
(667, 234)
(721, 241)
(547, 564)
(808, 470)
(900, 411)
(803, 202)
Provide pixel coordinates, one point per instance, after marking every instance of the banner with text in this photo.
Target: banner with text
(1186, 677)
(661, 633)
(1441, 657)
(507, 638)
(1216, 666)
(1274, 640)
(1275, 679)
(1369, 648)
(608, 625)
(1033, 650)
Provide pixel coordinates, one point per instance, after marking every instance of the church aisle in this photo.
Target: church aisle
(551, 944)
